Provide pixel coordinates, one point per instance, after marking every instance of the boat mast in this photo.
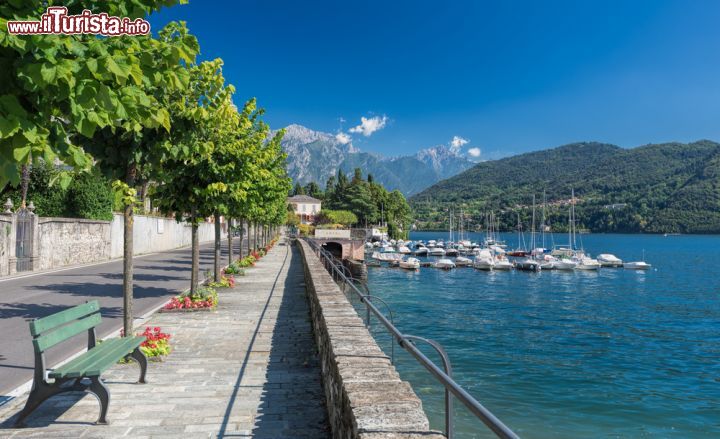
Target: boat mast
(542, 223)
(532, 228)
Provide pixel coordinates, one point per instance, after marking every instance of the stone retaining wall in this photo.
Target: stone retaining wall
(365, 396)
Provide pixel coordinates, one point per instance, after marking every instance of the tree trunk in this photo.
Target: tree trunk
(242, 232)
(128, 221)
(230, 242)
(195, 255)
(217, 247)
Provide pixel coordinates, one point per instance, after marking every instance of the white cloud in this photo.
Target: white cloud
(369, 125)
(474, 152)
(457, 142)
(343, 138)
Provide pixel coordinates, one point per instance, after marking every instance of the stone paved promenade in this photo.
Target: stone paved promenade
(249, 369)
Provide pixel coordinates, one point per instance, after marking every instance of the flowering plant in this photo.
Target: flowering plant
(156, 344)
(232, 269)
(225, 282)
(202, 298)
(247, 261)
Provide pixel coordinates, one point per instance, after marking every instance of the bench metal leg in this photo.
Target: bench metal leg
(141, 360)
(101, 391)
(38, 394)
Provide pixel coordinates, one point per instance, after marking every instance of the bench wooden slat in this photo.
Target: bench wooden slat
(95, 361)
(39, 326)
(42, 343)
(112, 357)
(85, 359)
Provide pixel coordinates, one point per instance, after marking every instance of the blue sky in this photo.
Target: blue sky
(507, 76)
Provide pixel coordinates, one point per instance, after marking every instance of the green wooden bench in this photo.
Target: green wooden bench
(75, 374)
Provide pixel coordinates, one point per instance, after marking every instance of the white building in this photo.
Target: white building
(305, 207)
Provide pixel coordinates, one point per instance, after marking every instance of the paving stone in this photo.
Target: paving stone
(249, 369)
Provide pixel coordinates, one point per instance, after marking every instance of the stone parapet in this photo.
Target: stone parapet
(365, 396)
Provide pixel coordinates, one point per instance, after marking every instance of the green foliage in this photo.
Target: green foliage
(369, 201)
(344, 217)
(670, 187)
(90, 196)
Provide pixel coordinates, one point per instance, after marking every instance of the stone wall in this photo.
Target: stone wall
(70, 241)
(365, 396)
(5, 230)
(60, 242)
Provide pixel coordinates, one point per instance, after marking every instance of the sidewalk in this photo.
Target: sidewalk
(249, 369)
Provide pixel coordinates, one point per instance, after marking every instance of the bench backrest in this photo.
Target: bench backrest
(55, 328)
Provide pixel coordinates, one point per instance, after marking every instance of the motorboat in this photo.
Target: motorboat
(387, 249)
(547, 262)
(452, 252)
(432, 243)
(437, 251)
(564, 264)
(404, 250)
(639, 265)
(445, 264)
(462, 261)
(501, 263)
(586, 263)
(386, 257)
(528, 264)
(517, 253)
(484, 260)
(410, 264)
(421, 251)
(608, 260)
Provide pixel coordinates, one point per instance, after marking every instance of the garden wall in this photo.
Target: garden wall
(364, 394)
(60, 242)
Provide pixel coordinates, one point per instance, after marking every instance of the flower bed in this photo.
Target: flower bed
(247, 261)
(204, 299)
(156, 345)
(234, 269)
(225, 282)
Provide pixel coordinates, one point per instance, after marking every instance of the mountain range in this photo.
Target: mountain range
(315, 156)
(658, 188)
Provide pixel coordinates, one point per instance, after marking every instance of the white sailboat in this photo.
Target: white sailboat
(638, 265)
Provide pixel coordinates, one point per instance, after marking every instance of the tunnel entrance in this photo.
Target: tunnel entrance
(334, 248)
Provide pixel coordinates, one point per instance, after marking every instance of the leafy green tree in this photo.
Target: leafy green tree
(298, 190)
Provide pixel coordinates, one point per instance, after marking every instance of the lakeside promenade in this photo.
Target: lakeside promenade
(248, 369)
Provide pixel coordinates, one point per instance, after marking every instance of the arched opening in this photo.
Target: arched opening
(334, 248)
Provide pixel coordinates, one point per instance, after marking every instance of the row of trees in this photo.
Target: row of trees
(140, 110)
(366, 199)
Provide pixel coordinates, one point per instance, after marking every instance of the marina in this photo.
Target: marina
(573, 353)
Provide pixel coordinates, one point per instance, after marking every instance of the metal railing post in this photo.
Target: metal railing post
(448, 371)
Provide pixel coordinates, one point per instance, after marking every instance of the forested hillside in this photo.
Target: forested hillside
(672, 187)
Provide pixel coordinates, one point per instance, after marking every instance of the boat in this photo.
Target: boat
(484, 260)
(639, 265)
(609, 260)
(501, 263)
(547, 262)
(404, 250)
(527, 264)
(410, 264)
(421, 251)
(462, 261)
(386, 257)
(445, 264)
(437, 251)
(587, 263)
(564, 264)
(451, 252)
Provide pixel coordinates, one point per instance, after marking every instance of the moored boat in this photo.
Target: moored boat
(638, 265)
(410, 264)
(437, 251)
(421, 251)
(445, 264)
(609, 260)
(462, 261)
(527, 264)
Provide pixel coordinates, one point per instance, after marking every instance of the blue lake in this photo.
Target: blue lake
(613, 353)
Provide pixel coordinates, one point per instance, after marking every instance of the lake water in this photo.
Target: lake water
(613, 353)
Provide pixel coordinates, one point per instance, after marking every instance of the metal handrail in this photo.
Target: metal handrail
(482, 413)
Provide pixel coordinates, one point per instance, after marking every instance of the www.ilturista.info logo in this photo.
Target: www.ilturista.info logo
(56, 21)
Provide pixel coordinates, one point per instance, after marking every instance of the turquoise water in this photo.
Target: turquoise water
(614, 353)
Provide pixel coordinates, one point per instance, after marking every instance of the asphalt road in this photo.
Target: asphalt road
(157, 277)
